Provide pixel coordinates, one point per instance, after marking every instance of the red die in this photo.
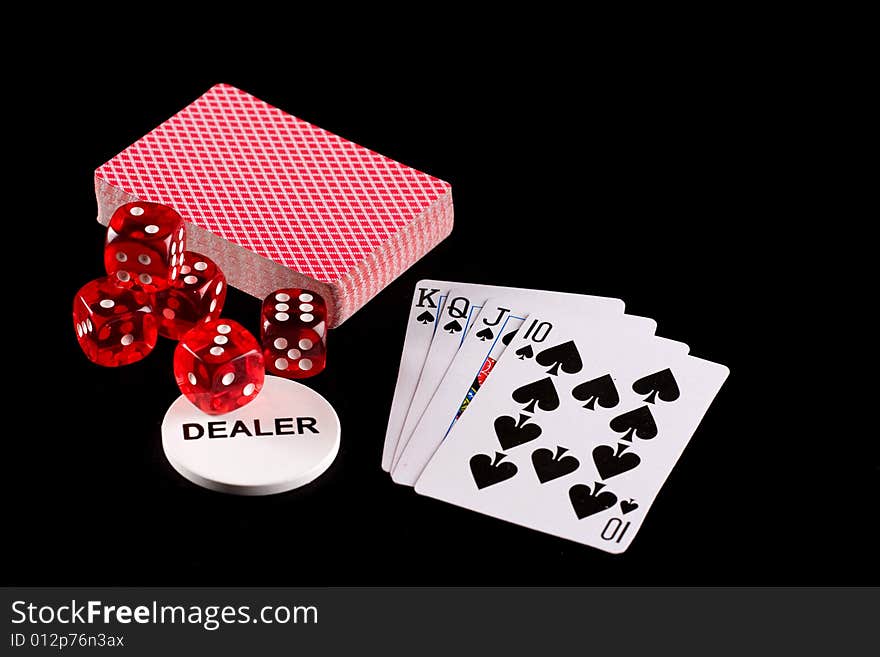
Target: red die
(294, 333)
(197, 294)
(144, 247)
(218, 365)
(114, 325)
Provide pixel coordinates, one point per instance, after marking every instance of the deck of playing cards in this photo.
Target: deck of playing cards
(278, 202)
(553, 411)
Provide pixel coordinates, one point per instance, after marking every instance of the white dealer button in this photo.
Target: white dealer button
(285, 438)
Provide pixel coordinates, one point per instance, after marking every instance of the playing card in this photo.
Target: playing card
(427, 303)
(455, 320)
(493, 330)
(465, 301)
(575, 431)
(494, 325)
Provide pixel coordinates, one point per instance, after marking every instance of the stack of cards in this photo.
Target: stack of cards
(553, 411)
(279, 202)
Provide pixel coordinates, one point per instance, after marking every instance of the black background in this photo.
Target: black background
(655, 180)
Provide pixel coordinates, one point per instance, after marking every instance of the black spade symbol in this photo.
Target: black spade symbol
(628, 505)
(659, 384)
(541, 392)
(488, 472)
(639, 422)
(425, 318)
(508, 338)
(485, 334)
(563, 355)
(610, 463)
(512, 433)
(525, 352)
(453, 326)
(587, 502)
(549, 467)
(600, 390)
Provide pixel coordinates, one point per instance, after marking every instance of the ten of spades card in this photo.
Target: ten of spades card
(576, 439)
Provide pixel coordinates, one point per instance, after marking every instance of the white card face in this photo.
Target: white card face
(575, 431)
(462, 306)
(472, 361)
(458, 315)
(425, 309)
(493, 330)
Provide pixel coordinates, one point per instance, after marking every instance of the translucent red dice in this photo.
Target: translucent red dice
(293, 331)
(145, 243)
(114, 325)
(196, 295)
(218, 366)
